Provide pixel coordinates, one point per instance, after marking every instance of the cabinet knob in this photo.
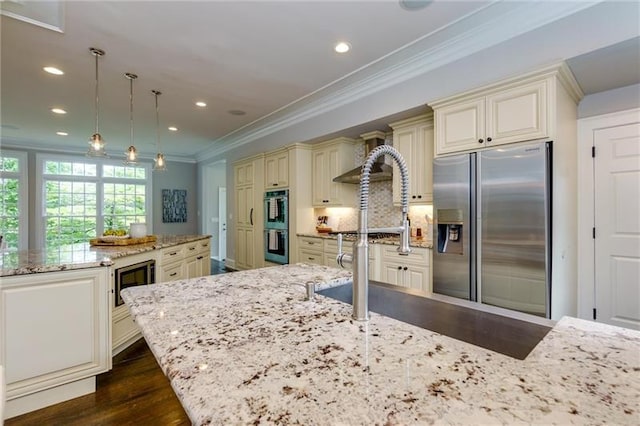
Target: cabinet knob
(413, 196)
(405, 268)
(419, 196)
(480, 140)
(275, 184)
(399, 268)
(488, 139)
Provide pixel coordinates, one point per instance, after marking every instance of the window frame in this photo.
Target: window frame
(23, 194)
(99, 180)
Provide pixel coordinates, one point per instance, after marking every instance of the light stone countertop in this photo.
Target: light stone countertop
(246, 347)
(395, 241)
(80, 256)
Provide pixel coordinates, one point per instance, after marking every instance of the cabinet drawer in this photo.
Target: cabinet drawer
(173, 272)
(311, 243)
(191, 249)
(418, 255)
(204, 246)
(172, 254)
(310, 256)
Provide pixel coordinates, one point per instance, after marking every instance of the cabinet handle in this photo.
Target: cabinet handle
(405, 268)
(173, 254)
(173, 275)
(325, 201)
(200, 257)
(251, 216)
(275, 184)
(413, 196)
(399, 268)
(480, 140)
(419, 196)
(192, 248)
(311, 258)
(488, 139)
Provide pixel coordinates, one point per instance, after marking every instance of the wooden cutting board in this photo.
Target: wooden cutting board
(123, 242)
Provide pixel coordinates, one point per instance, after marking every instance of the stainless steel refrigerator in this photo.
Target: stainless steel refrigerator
(492, 229)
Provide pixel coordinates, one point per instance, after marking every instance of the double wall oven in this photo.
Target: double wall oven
(276, 226)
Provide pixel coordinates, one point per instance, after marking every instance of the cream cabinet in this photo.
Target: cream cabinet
(412, 271)
(248, 212)
(330, 159)
(54, 336)
(171, 265)
(276, 169)
(198, 259)
(514, 110)
(311, 250)
(413, 138)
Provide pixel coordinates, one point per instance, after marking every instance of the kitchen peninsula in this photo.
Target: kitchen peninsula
(247, 347)
(60, 323)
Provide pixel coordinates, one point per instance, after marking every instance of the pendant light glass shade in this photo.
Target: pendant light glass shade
(96, 142)
(132, 153)
(161, 164)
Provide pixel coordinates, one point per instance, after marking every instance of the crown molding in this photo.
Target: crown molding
(487, 27)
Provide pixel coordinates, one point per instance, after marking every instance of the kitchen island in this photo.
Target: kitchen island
(59, 323)
(247, 347)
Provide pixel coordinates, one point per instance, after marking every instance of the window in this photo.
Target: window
(13, 199)
(85, 197)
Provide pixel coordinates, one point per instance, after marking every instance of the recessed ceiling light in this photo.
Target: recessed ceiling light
(173, 128)
(53, 70)
(236, 112)
(58, 111)
(342, 47)
(414, 4)
(201, 104)
(62, 133)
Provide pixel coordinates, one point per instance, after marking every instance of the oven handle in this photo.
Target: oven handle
(251, 216)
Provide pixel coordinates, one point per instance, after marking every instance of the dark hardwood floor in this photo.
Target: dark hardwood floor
(134, 392)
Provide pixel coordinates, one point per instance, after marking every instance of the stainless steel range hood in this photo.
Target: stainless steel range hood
(380, 170)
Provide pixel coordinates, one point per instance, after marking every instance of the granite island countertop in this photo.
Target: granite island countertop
(80, 256)
(246, 347)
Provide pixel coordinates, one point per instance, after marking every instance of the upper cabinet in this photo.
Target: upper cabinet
(331, 159)
(511, 111)
(276, 169)
(413, 138)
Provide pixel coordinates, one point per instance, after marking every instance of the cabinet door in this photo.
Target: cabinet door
(319, 190)
(245, 206)
(333, 165)
(404, 140)
(416, 278)
(245, 248)
(277, 170)
(392, 273)
(244, 174)
(460, 127)
(518, 114)
(415, 144)
(191, 267)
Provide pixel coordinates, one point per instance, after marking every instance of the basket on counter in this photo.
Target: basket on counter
(102, 241)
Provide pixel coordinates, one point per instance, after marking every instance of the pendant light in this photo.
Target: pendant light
(161, 164)
(96, 143)
(132, 153)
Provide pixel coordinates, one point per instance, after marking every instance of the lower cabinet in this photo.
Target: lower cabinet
(54, 335)
(198, 259)
(412, 271)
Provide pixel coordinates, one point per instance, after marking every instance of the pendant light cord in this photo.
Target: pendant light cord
(157, 122)
(97, 99)
(131, 107)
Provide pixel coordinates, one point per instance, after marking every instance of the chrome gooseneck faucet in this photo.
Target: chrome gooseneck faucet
(360, 256)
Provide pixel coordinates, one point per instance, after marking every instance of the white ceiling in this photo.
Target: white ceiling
(261, 57)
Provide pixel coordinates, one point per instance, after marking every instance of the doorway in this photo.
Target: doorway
(609, 274)
(214, 206)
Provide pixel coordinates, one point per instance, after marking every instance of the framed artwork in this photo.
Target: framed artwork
(174, 205)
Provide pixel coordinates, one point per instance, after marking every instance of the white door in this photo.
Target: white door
(617, 225)
(222, 223)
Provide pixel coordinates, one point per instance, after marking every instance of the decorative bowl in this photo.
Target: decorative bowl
(109, 238)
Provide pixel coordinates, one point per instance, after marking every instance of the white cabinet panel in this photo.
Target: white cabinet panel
(55, 328)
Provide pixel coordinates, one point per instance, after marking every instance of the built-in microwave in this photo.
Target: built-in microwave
(142, 273)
